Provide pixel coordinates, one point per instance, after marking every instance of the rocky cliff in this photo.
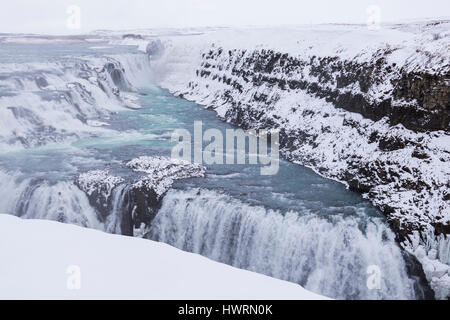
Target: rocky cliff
(405, 117)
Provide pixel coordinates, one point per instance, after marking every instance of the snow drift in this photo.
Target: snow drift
(35, 256)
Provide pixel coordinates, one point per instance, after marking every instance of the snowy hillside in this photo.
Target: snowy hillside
(35, 256)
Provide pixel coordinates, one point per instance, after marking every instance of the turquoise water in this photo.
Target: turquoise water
(148, 132)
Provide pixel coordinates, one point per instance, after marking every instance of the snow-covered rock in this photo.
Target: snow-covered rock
(441, 287)
(96, 180)
(436, 272)
(162, 172)
(432, 254)
(440, 270)
(49, 260)
(129, 203)
(420, 253)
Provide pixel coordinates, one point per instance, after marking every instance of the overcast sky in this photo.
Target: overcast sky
(50, 16)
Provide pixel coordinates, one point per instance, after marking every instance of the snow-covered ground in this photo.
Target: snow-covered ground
(42, 259)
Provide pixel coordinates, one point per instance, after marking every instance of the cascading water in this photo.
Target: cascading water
(39, 199)
(61, 98)
(329, 256)
(113, 221)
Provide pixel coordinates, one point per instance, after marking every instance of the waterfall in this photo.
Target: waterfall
(40, 199)
(115, 220)
(64, 201)
(63, 100)
(329, 256)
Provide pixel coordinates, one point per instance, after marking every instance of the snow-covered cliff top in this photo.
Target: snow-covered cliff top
(35, 256)
(416, 45)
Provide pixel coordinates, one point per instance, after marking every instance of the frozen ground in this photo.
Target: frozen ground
(36, 255)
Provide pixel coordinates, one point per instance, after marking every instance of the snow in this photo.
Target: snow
(35, 256)
(95, 123)
(437, 273)
(131, 101)
(161, 172)
(95, 180)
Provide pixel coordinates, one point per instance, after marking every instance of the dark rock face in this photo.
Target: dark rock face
(132, 36)
(418, 100)
(98, 200)
(415, 271)
(146, 204)
(99, 186)
(155, 48)
(432, 93)
(117, 74)
(135, 205)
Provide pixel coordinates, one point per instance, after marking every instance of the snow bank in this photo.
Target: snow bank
(35, 257)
